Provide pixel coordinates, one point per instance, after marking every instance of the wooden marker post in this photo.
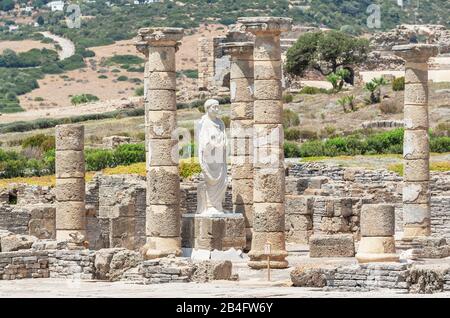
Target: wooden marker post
(267, 251)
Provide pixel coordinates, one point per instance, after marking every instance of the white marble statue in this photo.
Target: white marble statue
(212, 143)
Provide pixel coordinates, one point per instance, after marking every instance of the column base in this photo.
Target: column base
(258, 259)
(157, 247)
(377, 249)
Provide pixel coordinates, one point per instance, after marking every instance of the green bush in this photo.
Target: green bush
(124, 59)
(309, 90)
(288, 98)
(398, 84)
(440, 144)
(41, 141)
(139, 91)
(122, 78)
(83, 98)
(189, 168)
(291, 150)
(290, 118)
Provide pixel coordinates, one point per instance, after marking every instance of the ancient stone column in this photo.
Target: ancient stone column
(269, 173)
(241, 92)
(70, 184)
(377, 234)
(416, 153)
(163, 181)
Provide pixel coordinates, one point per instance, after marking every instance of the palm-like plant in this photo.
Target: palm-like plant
(351, 101)
(372, 87)
(379, 82)
(343, 102)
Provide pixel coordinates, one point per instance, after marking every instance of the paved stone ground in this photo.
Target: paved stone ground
(67, 288)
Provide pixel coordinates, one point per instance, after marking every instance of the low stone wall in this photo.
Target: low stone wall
(400, 277)
(76, 264)
(24, 264)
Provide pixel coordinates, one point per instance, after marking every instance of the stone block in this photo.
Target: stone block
(267, 70)
(242, 191)
(162, 80)
(163, 152)
(163, 185)
(415, 117)
(69, 137)
(268, 111)
(71, 189)
(337, 245)
(161, 124)
(162, 100)
(161, 59)
(317, 182)
(414, 213)
(241, 90)
(378, 245)
(299, 204)
(268, 217)
(416, 144)
(416, 73)
(69, 164)
(416, 170)
(334, 225)
(241, 146)
(241, 69)
(377, 220)
(247, 211)
(416, 192)
(70, 215)
(242, 167)
(241, 110)
(267, 48)
(269, 185)
(240, 128)
(416, 94)
(163, 220)
(268, 90)
(16, 242)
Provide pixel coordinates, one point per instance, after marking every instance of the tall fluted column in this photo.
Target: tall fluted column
(163, 217)
(241, 91)
(269, 173)
(70, 184)
(416, 149)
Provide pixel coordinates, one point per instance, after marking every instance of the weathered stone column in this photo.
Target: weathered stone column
(269, 173)
(163, 181)
(70, 184)
(241, 91)
(416, 152)
(377, 234)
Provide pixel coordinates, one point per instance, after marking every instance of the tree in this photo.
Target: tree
(325, 52)
(7, 5)
(40, 20)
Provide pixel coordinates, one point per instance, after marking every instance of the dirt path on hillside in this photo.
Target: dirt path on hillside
(67, 46)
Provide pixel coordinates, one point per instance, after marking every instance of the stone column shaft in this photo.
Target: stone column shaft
(70, 183)
(163, 217)
(269, 173)
(416, 151)
(241, 91)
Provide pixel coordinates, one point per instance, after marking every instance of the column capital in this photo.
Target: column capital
(419, 53)
(158, 37)
(238, 48)
(257, 25)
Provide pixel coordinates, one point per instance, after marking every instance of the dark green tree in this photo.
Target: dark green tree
(325, 52)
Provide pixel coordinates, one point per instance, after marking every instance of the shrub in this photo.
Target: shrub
(122, 78)
(139, 91)
(189, 168)
(103, 76)
(38, 99)
(41, 141)
(288, 98)
(398, 84)
(442, 129)
(83, 98)
(292, 134)
(291, 150)
(124, 59)
(440, 144)
(226, 121)
(390, 106)
(309, 90)
(290, 118)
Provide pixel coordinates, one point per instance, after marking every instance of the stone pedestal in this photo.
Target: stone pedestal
(377, 234)
(163, 182)
(268, 138)
(218, 232)
(416, 153)
(70, 184)
(241, 89)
